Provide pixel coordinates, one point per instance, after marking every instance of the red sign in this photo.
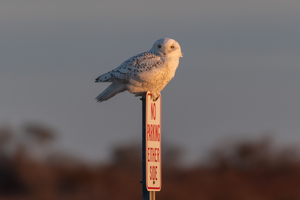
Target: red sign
(153, 143)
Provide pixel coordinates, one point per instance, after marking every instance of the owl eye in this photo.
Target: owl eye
(159, 46)
(172, 47)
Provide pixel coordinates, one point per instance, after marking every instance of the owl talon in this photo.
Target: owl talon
(154, 97)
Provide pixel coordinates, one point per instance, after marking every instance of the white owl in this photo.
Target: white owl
(149, 71)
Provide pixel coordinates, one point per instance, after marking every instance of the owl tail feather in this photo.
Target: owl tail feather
(111, 91)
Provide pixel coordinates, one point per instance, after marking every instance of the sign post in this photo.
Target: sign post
(151, 157)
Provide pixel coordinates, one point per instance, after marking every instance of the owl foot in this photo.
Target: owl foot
(155, 96)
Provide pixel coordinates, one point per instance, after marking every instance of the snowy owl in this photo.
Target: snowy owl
(149, 71)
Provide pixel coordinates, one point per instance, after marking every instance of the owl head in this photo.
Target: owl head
(167, 47)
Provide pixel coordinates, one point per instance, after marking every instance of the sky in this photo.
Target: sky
(238, 79)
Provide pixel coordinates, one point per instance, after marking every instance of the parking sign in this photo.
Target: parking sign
(153, 143)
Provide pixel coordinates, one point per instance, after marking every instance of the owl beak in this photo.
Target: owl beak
(181, 55)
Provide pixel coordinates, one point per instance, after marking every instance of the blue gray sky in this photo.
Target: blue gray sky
(239, 76)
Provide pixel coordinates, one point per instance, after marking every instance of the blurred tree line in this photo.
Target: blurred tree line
(241, 170)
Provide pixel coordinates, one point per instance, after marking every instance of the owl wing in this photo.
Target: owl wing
(132, 67)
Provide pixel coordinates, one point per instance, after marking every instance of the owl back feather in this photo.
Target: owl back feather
(104, 77)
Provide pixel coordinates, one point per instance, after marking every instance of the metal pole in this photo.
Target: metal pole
(152, 195)
(146, 195)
